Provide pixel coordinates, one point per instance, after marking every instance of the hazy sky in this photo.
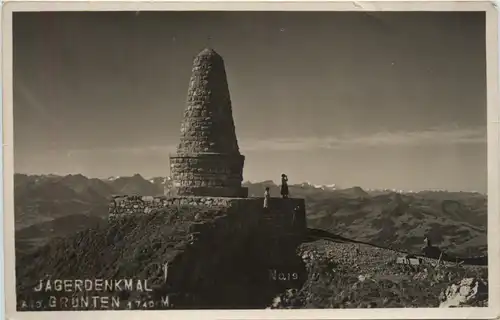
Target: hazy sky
(394, 100)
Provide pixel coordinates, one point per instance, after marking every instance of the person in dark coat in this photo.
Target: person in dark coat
(284, 186)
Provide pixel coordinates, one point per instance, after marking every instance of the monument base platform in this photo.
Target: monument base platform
(216, 244)
(284, 216)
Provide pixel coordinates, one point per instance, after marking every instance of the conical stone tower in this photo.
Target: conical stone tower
(208, 161)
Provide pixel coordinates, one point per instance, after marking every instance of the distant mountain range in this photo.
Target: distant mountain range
(48, 206)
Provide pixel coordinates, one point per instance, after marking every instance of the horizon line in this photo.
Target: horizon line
(317, 186)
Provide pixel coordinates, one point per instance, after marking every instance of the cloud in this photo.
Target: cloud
(435, 136)
(449, 135)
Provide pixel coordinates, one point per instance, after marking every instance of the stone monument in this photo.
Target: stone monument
(208, 162)
(216, 231)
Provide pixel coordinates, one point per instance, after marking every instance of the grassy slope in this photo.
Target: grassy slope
(403, 221)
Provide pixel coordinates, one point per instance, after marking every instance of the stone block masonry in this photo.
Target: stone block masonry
(208, 125)
(284, 215)
(125, 205)
(208, 175)
(208, 161)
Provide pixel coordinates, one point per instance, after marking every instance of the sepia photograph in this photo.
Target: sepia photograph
(250, 160)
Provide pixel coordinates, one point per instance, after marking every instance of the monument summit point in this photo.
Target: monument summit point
(208, 161)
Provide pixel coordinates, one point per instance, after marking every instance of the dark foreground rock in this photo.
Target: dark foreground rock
(187, 257)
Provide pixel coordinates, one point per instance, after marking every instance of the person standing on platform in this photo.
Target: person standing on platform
(267, 196)
(284, 186)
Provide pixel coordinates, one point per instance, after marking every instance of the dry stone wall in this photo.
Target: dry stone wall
(126, 205)
(283, 216)
(284, 221)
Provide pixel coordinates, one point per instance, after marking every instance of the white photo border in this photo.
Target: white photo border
(493, 113)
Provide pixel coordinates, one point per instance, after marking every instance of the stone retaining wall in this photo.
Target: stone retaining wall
(126, 205)
(281, 214)
(284, 216)
(226, 244)
(228, 239)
